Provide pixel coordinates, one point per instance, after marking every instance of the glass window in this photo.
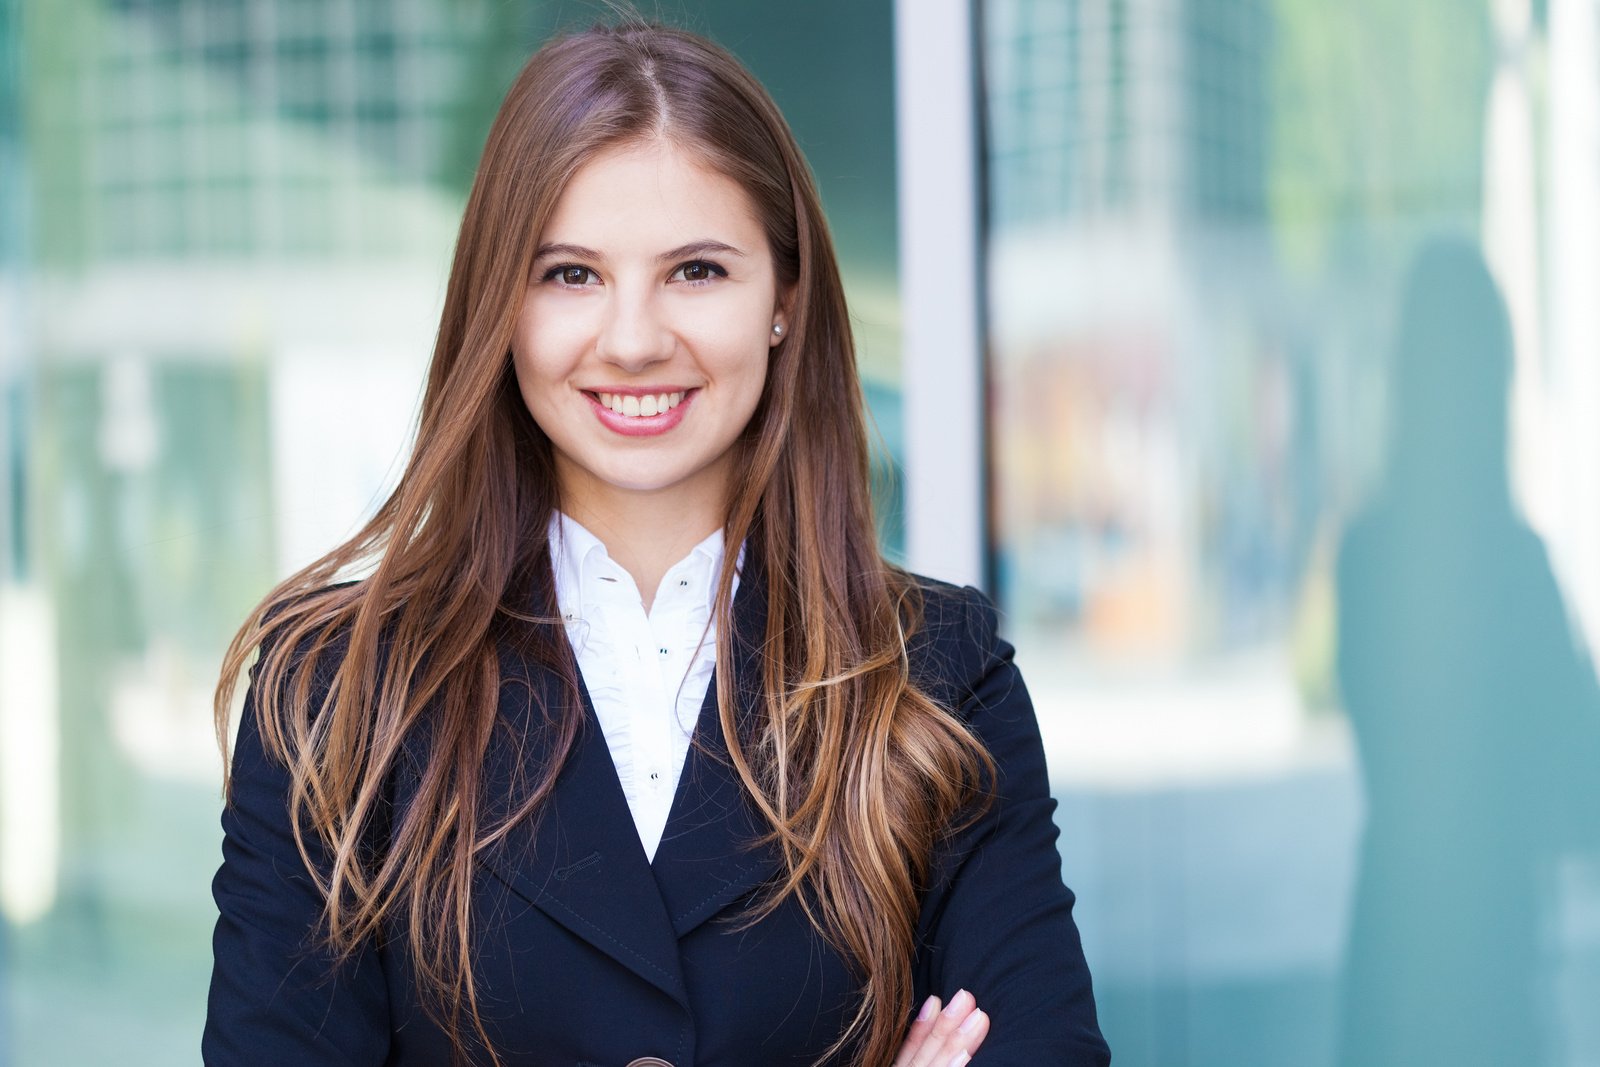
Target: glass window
(244, 229)
(1295, 526)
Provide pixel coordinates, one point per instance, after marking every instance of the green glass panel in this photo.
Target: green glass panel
(1294, 407)
(224, 230)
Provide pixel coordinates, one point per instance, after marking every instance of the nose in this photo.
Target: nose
(633, 334)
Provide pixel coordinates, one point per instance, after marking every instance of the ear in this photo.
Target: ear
(781, 318)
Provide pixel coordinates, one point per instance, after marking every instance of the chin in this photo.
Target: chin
(633, 481)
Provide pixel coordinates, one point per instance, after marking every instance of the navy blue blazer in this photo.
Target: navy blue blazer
(588, 954)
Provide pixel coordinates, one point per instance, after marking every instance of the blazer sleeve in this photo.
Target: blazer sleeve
(276, 997)
(998, 919)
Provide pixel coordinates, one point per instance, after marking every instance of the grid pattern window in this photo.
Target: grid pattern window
(1226, 48)
(1034, 117)
(210, 122)
(1088, 104)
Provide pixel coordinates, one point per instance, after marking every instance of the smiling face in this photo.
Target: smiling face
(641, 348)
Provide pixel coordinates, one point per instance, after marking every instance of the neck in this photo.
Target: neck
(646, 533)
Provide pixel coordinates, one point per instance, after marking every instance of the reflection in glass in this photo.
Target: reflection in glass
(1477, 719)
(1310, 672)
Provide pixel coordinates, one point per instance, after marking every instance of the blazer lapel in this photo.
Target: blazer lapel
(708, 856)
(579, 859)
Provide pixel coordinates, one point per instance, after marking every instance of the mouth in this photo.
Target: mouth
(641, 414)
(639, 405)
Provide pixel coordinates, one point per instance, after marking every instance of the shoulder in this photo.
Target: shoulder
(308, 628)
(956, 643)
(300, 643)
(953, 615)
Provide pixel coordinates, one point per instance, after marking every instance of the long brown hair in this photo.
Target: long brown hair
(857, 771)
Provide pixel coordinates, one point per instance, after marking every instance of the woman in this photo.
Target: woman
(631, 748)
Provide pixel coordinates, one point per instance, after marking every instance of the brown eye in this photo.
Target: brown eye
(699, 270)
(570, 276)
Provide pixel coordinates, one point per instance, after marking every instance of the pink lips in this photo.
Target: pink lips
(641, 425)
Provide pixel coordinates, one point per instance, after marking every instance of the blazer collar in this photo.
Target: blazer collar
(579, 858)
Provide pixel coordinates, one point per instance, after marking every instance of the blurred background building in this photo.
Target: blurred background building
(1291, 460)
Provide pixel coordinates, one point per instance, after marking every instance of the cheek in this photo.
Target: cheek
(528, 381)
(539, 383)
(752, 383)
(545, 353)
(741, 371)
(731, 353)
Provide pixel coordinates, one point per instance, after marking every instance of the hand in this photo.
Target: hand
(945, 1038)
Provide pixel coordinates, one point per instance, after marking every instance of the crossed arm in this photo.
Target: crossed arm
(998, 920)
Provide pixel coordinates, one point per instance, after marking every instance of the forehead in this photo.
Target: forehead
(651, 191)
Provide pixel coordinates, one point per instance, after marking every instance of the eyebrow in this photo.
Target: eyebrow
(682, 252)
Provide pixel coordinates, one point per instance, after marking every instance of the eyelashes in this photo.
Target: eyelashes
(699, 271)
(570, 276)
(695, 272)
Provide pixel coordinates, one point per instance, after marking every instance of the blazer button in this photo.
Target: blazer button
(648, 1061)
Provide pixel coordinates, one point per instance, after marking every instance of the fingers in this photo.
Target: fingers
(971, 1026)
(944, 1037)
(918, 1032)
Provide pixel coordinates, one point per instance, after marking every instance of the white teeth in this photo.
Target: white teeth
(640, 406)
